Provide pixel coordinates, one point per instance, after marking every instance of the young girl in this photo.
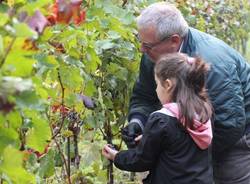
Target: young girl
(175, 146)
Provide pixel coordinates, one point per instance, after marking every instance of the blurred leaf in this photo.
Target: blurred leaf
(45, 63)
(74, 62)
(47, 34)
(42, 93)
(18, 64)
(39, 134)
(34, 5)
(71, 99)
(116, 25)
(3, 7)
(23, 30)
(15, 119)
(12, 165)
(90, 88)
(47, 164)
(29, 99)
(58, 159)
(104, 44)
(93, 60)
(90, 152)
(8, 136)
(117, 71)
(71, 77)
(114, 35)
(1, 46)
(10, 2)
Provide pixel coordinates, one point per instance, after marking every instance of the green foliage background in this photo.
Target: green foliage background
(100, 60)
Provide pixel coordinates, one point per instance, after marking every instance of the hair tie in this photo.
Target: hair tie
(190, 60)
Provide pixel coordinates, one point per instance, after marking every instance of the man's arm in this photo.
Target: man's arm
(226, 95)
(143, 102)
(144, 98)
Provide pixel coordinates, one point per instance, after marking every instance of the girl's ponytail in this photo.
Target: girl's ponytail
(197, 76)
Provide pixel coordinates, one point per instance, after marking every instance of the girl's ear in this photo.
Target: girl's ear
(168, 84)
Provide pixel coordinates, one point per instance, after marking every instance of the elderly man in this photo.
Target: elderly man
(162, 29)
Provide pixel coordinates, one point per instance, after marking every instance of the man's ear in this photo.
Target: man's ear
(176, 39)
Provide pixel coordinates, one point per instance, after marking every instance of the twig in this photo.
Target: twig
(120, 145)
(103, 134)
(77, 158)
(68, 155)
(7, 52)
(124, 3)
(88, 3)
(124, 121)
(108, 131)
(64, 159)
(62, 104)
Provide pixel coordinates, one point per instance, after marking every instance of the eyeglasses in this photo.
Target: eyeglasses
(150, 46)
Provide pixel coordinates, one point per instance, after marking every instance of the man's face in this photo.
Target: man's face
(153, 47)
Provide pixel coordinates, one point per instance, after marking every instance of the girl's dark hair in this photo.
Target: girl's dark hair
(189, 90)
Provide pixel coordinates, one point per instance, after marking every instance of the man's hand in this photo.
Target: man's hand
(130, 132)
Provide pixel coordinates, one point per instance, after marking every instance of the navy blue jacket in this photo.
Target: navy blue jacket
(228, 84)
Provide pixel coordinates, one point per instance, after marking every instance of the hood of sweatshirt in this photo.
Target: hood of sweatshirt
(201, 133)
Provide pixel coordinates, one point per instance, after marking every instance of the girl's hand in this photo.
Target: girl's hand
(138, 138)
(109, 152)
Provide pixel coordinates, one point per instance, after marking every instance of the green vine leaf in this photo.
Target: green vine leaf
(23, 30)
(12, 167)
(39, 135)
(47, 165)
(8, 136)
(14, 119)
(1, 47)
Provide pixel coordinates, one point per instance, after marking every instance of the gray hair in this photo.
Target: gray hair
(166, 19)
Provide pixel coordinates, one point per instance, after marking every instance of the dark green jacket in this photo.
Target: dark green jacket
(228, 85)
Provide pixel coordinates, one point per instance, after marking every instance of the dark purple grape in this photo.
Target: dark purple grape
(6, 106)
(87, 101)
(72, 116)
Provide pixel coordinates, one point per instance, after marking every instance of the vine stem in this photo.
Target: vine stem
(124, 3)
(103, 134)
(64, 160)
(68, 155)
(77, 157)
(109, 136)
(7, 52)
(62, 104)
(67, 164)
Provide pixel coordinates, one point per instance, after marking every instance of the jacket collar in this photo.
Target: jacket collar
(185, 44)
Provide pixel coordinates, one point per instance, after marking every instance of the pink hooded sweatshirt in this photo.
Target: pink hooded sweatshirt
(202, 133)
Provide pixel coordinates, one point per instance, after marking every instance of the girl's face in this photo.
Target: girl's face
(164, 91)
